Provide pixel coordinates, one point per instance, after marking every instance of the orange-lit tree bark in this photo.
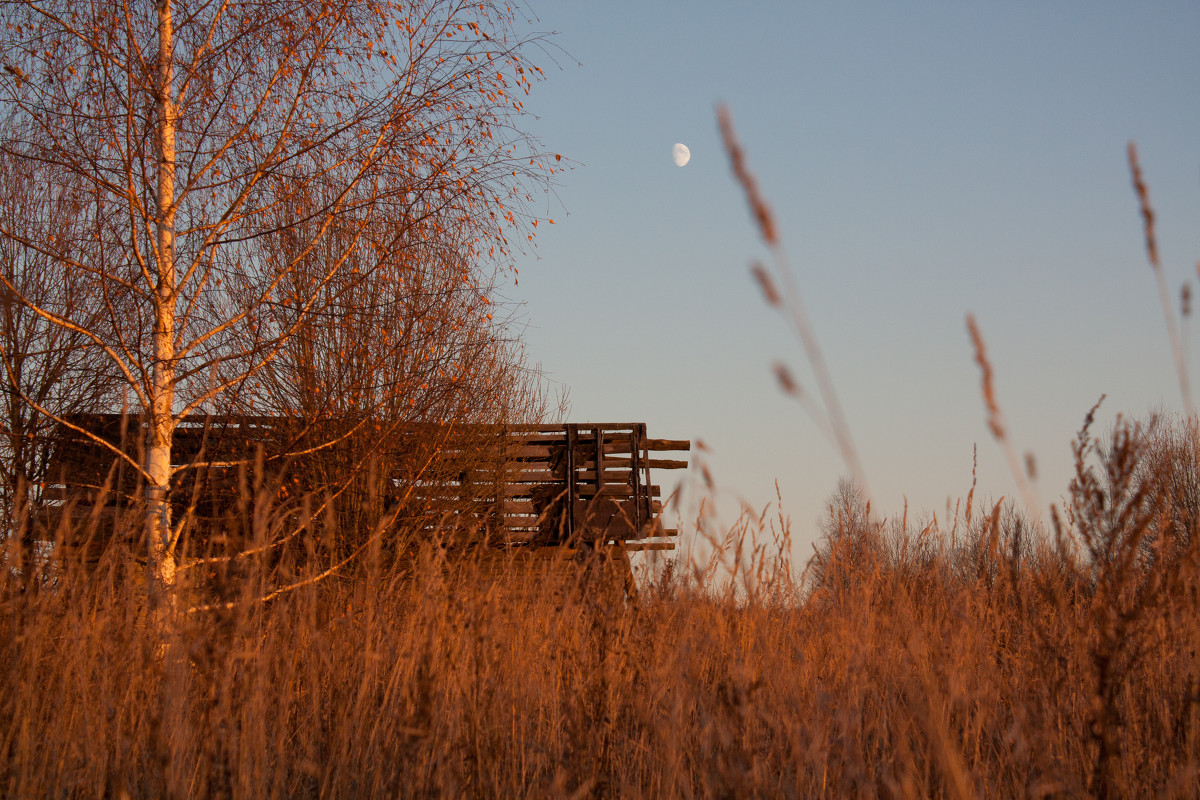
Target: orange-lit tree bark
(190, 126)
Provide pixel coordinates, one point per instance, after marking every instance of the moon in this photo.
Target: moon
(681, 154)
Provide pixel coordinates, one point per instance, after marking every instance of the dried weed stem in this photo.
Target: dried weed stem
(791, 304)
(1164, 295)
(995, 419)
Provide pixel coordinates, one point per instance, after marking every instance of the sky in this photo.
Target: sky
(923, 160)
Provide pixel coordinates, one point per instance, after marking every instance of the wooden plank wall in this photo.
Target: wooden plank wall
(525, 484)
(585, 481)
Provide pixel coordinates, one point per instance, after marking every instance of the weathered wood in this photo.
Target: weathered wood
(532, 508)
(516, 490)
(660, 445)
(547, 476)
(533, 483)
(635, 546)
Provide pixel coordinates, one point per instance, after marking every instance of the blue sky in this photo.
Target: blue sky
(923, 160)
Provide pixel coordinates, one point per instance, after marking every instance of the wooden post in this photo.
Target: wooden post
(572, 492)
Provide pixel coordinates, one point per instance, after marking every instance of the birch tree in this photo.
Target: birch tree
(189, 130)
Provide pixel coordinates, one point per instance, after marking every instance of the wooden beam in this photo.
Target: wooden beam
(633, 545)
(668, 444)
(663, 463)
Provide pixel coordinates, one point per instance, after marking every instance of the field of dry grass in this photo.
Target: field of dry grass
(980, 658)
(983, 655)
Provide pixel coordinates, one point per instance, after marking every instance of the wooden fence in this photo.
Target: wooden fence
(522, 485)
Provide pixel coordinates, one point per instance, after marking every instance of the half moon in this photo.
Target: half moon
(681, 154)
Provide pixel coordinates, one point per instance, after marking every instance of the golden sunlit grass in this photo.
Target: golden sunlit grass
(974, 659)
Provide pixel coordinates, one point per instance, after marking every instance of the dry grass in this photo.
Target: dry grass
(914, 663)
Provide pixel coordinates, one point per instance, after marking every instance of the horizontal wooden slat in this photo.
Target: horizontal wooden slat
(634, 546)
(663, 463)
(133, 421)
(660, 445)
(554, 490)
(546, 439)
(610, 476)
(533, 508)
(582, 426)
(546, 476)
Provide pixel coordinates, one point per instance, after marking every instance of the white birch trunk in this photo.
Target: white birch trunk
(162, 377)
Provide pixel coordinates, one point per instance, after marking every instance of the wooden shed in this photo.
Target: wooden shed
(511, 485)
